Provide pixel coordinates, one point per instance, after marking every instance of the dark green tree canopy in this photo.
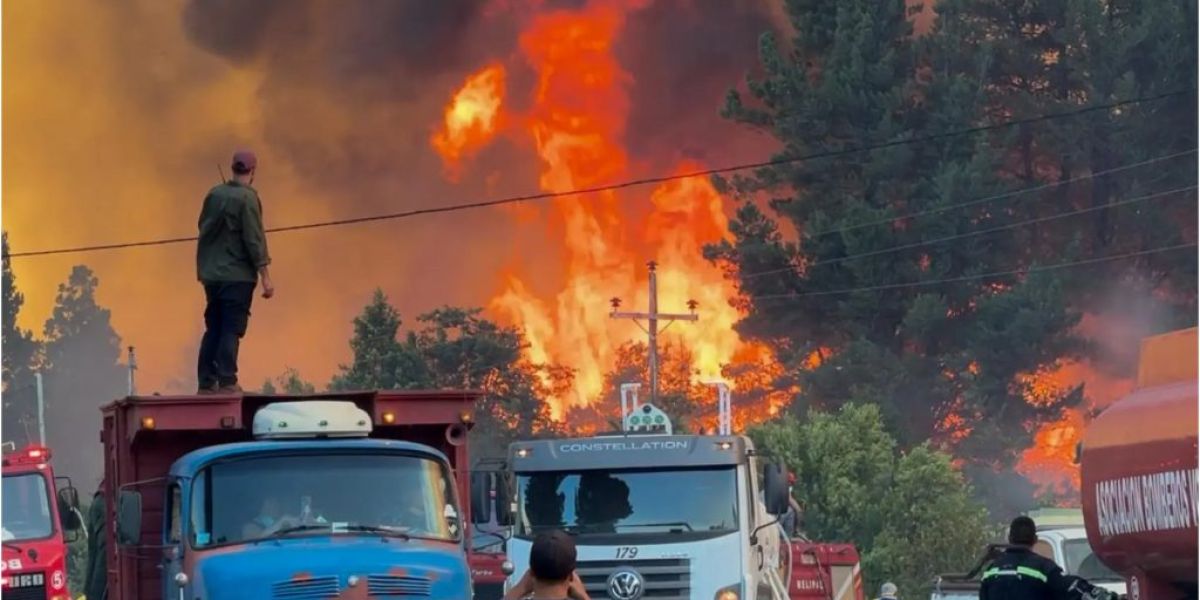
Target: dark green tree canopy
(880, 259)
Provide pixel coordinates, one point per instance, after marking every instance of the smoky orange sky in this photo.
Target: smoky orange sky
(116, 116)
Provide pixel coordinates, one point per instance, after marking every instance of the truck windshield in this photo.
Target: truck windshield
(629, 501)
(261, 497)
(26, 506)
(1083, 563)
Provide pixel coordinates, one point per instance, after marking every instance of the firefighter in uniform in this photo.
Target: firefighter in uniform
(1019, 573)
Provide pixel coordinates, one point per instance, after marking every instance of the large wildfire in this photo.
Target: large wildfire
(576, 122)
(356, 113)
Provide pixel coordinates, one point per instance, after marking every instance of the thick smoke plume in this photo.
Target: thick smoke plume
(114, 137)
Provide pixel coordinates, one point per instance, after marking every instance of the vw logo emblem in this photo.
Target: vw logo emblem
(625, 584)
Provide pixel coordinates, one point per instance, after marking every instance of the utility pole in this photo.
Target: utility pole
(652, 317)
(41, 409)
(132, 370)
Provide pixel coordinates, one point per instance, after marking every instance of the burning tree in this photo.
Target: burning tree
(917, 325)
(942, 359)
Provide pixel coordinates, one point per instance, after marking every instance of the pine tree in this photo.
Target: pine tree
(20, 357)
(947, 361)
(83, 372)
(1052, 56)
(380, 361)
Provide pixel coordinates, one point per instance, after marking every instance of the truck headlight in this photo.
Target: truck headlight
(732, 592)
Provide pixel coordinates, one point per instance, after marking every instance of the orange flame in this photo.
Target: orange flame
(1050, 462)
(471, 117)
(577, 119)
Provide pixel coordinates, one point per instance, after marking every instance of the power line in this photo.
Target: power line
(1001, 196)
(959, 236)
(891, 286)
(633, 182)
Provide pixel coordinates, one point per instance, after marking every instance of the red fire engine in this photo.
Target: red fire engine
(36, 519)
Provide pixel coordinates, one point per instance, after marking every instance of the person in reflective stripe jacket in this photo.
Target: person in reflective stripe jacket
(1021, 574)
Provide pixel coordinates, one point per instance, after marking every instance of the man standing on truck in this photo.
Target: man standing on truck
(1020, 574)
(231, 255)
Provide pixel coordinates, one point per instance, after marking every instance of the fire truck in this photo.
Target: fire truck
(38, 522)
(824, 571)
(257, 496)
(655, 514)
(1138, 469)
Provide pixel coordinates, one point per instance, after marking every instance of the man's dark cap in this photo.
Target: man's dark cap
(244, 161)
(552, 557)
(1022, 532)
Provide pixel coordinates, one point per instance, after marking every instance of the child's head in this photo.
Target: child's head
(552, 558)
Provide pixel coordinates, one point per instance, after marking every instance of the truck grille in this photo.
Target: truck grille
(489, 591)
(26, 586)
(313, 588)
(382, 586)
(663, 578)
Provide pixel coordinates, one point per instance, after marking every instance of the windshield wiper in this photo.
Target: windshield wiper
(388, 531)
(12, 546)
(676, 524)
(294, 529)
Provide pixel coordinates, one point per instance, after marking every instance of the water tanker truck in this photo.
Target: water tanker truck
(1138, 469)
(350, 495)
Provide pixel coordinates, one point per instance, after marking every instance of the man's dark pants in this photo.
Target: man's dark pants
(225, 319)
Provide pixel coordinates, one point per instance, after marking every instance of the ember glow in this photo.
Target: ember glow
(1050, 462)
(471, 117)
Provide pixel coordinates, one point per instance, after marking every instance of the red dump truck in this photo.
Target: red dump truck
(1138, 468)
(174, 471)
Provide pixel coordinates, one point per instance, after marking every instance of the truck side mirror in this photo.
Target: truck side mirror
(68, 508)
(129, 518)
(481, 497)
(504, 513)
(775, 489)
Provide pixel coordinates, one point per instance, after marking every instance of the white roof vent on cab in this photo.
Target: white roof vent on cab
(311, 419)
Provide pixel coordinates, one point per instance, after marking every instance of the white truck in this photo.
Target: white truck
(1061, 538)
(1068, 546)
(655, 515)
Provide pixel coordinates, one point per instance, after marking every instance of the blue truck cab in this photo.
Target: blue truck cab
(312, 507)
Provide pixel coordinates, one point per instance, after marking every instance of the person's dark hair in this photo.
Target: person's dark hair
(1022, 532)
(552, 557)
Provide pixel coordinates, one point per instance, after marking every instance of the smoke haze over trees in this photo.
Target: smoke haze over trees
(20, 356)
(79, 356)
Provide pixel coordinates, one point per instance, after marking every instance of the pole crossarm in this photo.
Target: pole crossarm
(660, 316)
(652, 316)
